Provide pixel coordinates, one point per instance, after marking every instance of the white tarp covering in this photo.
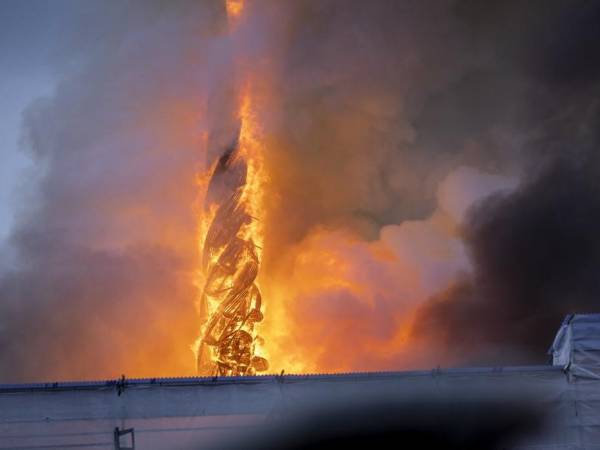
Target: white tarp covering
(577, 346)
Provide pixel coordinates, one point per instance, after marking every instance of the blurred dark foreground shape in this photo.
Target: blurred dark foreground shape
(450, 423)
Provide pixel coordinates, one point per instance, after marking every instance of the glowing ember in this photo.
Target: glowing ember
(234, 8)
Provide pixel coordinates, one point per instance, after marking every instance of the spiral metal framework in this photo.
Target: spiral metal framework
(230, 263)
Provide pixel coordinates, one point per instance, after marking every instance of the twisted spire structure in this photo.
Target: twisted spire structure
(230, 262)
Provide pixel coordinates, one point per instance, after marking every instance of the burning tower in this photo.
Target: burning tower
(230, 261)
(231, 299)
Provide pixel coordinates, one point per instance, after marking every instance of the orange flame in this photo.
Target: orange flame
(234, 9)
(231, 237)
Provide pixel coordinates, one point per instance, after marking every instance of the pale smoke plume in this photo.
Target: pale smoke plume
(385, 124)
(102, 282)
(343, 304)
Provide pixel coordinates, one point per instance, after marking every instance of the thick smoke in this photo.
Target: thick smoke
(536, 255)
(102, 278)
(432, 183)
(509, 88)
(536, 251)
(348, 304)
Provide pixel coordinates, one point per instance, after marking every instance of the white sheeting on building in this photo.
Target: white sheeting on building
(194, 412)
(576, 347)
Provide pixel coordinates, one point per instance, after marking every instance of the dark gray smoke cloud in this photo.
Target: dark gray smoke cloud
(385, 98)
(380, 100)
(536, 251)
(369, 105)
(536, 254)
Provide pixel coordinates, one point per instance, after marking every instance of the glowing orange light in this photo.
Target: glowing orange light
(231, 237)
(234, 8)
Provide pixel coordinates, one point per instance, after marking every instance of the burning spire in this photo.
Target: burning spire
(231, 301)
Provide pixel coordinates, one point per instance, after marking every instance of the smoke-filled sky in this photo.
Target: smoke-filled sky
(433, 193)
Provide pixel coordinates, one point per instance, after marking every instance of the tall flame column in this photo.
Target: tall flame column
(230, 262)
